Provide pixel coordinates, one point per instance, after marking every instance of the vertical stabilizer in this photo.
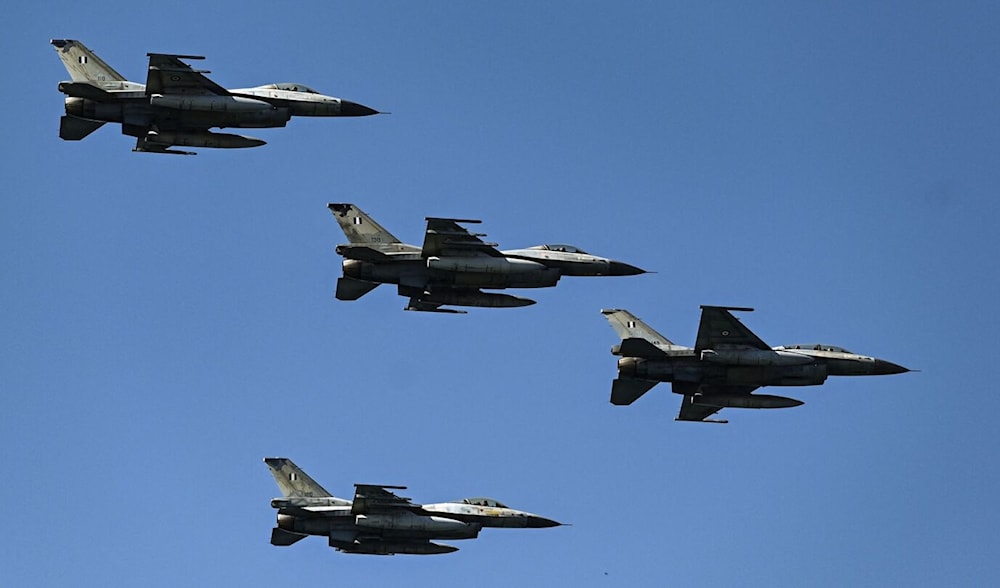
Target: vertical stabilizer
(629, 326)
(359, 227)
(84, 66)
(292, 480)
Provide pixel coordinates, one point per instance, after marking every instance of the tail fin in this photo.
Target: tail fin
(293, 481)
(84, 66)
(629, 326)
(359, 227)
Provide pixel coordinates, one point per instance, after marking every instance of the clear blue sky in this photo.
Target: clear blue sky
(168, 321)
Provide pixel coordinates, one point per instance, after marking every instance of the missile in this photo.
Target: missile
(482, 299)
(203, 139)
(746, 401)
(387, 548)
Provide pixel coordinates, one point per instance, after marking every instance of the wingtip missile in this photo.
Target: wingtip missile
(736, 308)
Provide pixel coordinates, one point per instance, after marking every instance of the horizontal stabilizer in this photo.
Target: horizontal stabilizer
(85, 90)
(361, 253)
(625, 391)
(349, 288)
(284, 538)
(633, 347)
(74, 128)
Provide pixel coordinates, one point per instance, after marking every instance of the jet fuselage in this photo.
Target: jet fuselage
(397, 531)
(245, 108)
(725, 368)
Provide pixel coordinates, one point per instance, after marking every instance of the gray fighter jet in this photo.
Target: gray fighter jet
(453, 264)
(378, 522)
(727, 364)
(178, 105)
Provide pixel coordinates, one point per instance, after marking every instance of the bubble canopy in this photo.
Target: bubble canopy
(815, 347)
(560, 247)
(291, 87)
(483, 502)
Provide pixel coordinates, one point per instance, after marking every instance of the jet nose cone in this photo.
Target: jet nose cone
(623, 269)
(536, 522)
(884, 368)
(348, 108)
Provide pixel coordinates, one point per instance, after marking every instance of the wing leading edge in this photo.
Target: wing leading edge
(169, 75)
(377, 498)
(719, 328)
(445, 237)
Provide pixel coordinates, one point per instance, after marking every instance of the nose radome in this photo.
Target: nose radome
(536, 522)
(885, 368)
(348, 108)
(623, 269)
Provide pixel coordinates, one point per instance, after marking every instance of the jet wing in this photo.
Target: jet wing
(370, 498)
(720, 328)
(169, 75)
(418, 305)
(446, 238)
(695, 412)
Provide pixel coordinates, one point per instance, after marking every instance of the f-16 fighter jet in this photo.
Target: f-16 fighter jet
(178, 105)
(453, 264)
(727, 364)
(377, 521)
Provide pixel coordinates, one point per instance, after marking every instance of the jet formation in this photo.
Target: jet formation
(453, 265)
(728, 362)
(178, 105)
(377, 521)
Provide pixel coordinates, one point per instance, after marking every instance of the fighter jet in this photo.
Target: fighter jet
(377, 521)
(178, 105)
(453, 264)
(727, 364)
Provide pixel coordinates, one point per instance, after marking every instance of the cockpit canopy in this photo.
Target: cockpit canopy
(816, 347)
(560, 247)
(483, 502)
(291, 87)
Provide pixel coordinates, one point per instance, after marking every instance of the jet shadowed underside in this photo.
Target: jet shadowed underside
(377, 521)
(453, 265)
(727, 363)
(178, 105)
